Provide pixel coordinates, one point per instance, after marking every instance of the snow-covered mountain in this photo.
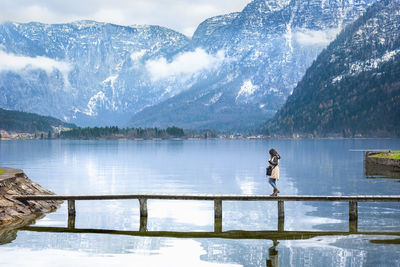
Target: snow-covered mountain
(85, 72)
(267, 48)
(235, 72)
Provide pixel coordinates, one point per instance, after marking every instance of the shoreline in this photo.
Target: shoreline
(215, 138)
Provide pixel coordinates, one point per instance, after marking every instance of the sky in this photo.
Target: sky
(181, 15)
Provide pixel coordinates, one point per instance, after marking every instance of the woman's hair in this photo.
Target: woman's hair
(273, 152)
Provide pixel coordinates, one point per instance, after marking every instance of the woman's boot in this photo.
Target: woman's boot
(274, 193)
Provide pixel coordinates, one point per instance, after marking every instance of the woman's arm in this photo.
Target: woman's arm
(273, 161)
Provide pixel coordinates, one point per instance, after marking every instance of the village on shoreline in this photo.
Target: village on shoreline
(4, 135)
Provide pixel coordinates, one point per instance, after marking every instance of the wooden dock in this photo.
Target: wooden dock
(217, 199)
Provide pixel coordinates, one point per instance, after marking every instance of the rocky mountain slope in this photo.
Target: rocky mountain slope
(235, 72)
(353, 88)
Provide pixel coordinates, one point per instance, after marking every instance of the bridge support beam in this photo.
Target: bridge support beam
(143, 224)
(71, 222)
(281, 215)
(353, 216)
(143, 207)
(281, 210)
(71, 207)
(71, 213)
(143, 215)
(217, 215)
(353, 211)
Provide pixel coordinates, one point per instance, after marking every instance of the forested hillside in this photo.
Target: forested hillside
(353, 88)
(17, 121)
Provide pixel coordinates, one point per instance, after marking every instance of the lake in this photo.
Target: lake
(307, 167)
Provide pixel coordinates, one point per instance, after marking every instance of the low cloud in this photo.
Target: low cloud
(185, 64)
(311, 37)
(11, 62)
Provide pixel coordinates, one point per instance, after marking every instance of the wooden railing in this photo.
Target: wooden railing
(352, 200)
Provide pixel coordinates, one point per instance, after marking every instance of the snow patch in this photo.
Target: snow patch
(215, 98)
(337, 79)
(373, 63)
(186, 64)
(111, 79)
(100, 97)
(247, 89)
(275, 6)
(81, 24)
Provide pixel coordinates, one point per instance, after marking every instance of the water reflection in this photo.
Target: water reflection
(280, 250)
(231, 234)
(273, 260)
(377, 171)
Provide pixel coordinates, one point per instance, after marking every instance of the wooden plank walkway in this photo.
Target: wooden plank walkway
(394, 198)
(352, 200)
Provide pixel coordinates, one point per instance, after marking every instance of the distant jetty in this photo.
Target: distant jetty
(12, 211)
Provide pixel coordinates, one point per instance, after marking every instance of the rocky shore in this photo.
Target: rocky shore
(382, 164)
(19, 213)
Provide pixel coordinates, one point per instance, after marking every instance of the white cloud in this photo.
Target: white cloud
(184, 64)
(11, 62)
(183, 16)
(311, 37)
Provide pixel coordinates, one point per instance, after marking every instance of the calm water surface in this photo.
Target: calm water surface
(308, 167)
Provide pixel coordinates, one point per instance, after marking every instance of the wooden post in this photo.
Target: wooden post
(353, 226)
(217, 215)
(71, 221)
(353, 216)
(353, 211)
(217, 209)
(143, 215)
(281, 215)
(71, 207)
(281, 210)
(217, 225)
(71, 213)
(143, 224)
(143, 207)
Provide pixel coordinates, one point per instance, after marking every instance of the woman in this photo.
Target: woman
(274, 164)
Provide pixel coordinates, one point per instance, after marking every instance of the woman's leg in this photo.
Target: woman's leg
(272, 182)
